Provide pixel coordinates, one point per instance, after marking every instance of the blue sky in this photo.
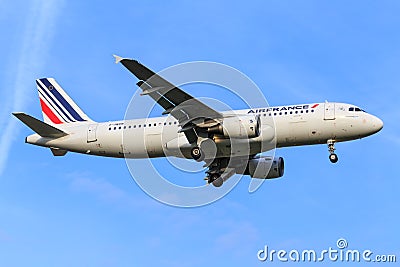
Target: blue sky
(87, 211)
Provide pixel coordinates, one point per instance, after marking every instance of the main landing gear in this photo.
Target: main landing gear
(331, 147)
(197, 154)
(215, 179)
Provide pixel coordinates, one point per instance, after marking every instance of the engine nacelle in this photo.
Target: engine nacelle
(241, 127)
(266, 167)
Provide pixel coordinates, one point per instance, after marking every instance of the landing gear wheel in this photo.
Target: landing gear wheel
(213, 177)
(331, 148)
(333, 158)
(218, 182)
(196, 154)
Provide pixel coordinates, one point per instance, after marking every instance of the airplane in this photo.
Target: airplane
(229, 142)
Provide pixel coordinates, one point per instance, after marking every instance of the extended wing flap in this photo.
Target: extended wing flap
(165, 89)
(180, 104)
(41, 128)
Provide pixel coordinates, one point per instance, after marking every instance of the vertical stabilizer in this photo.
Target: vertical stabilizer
(57, 106)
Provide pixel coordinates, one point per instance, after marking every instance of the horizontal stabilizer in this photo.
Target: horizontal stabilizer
(41, 128)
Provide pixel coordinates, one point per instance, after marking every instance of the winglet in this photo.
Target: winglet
(118, 59)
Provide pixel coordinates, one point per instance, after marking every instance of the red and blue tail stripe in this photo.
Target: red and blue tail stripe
(57, 106)
(49, 113)
(49, 102)
(62, 100)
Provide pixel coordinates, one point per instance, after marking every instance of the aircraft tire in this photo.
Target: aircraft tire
(333, 158)
(197, 154)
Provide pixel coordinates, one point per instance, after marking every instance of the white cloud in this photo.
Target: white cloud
(100, 188)
(35, 42)
(238, 238)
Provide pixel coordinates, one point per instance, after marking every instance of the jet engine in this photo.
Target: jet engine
(265, 167)
(240, 127)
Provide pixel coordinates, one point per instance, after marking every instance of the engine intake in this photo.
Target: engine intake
(265, 167)
(241, 127)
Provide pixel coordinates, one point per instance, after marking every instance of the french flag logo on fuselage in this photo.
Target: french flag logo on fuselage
(57, 106)
(315, 105)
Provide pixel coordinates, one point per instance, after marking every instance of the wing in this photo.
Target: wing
(192, 114)
(186, 109)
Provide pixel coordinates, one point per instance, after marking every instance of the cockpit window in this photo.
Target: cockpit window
(356, 109)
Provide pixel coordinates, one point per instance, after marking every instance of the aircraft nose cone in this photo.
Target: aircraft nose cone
(377, 124)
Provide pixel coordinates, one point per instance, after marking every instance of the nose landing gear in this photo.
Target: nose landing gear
(331, 147)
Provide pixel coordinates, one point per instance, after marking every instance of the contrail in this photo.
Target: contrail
(36, 37)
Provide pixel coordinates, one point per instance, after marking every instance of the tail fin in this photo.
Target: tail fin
(57, 106)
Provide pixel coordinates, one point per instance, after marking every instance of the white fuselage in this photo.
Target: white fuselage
(295, 125)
